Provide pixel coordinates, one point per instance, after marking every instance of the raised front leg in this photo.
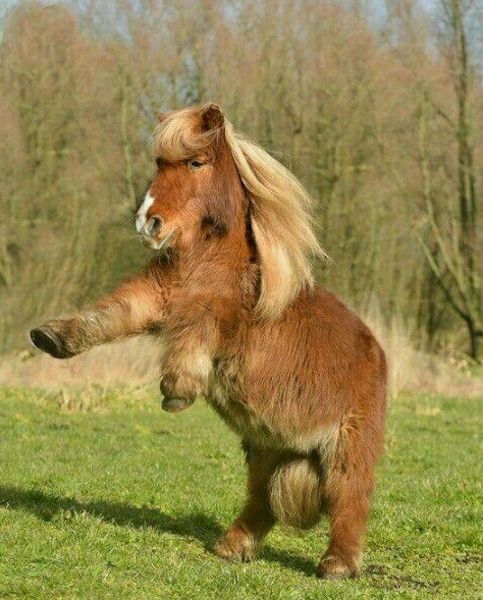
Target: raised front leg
(191, 342)
(132, 309)
(242, 538)
(185, 373)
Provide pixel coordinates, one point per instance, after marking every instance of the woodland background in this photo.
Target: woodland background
(376, 106)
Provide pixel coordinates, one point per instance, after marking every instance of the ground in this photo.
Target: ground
(103, 495)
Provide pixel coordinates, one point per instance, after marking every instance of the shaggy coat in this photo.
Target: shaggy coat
(284, 362)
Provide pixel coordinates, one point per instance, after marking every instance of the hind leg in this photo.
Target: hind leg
(348, 515)
(348, 494)
(241, 540)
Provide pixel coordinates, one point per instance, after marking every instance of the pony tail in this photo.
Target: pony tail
(295, 494)
(281, 224)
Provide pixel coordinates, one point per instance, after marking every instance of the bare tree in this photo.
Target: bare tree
(453, 253)
(380, 123)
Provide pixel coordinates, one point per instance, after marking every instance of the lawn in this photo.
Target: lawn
(103, 495)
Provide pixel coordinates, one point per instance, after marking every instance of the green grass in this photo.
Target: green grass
(103, 495)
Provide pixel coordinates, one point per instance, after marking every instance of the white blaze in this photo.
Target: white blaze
(143, 211)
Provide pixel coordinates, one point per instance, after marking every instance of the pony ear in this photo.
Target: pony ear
(211, 117)
(161, 116)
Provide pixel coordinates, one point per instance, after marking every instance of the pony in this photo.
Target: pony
(284, 362)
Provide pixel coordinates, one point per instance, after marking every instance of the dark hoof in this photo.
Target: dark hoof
(176, 405)
(48, 341)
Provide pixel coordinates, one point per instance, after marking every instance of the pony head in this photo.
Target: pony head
(211, 182)
(179, 206)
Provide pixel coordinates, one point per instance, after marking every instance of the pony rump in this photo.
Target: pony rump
(279, 205)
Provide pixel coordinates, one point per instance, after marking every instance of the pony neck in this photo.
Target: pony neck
(217, 267)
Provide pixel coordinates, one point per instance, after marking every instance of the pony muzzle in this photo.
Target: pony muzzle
(150, 232)
(153, 226)
(151, 237)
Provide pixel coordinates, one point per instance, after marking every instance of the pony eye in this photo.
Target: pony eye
(195, 164)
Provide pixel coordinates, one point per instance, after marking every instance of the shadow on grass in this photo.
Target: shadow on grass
(45, 506)
(300, 564)
(195, 525)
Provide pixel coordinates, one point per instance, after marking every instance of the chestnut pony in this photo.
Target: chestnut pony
(290, 368)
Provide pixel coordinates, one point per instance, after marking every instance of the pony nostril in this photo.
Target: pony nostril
(153, 226)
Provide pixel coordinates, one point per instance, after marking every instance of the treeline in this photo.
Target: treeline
(379, 115)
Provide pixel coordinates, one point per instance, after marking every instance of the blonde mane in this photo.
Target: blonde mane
(279, 205)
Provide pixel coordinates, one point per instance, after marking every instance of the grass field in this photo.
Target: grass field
(102, 495)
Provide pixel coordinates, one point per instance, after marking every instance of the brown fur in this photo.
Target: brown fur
(290, 368)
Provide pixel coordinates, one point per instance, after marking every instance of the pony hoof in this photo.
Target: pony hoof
(333, 567)
(175, 405)
(236, 546)
(48, 341)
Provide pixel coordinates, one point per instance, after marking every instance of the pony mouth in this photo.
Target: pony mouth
(157, 243)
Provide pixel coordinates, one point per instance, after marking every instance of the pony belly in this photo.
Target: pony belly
(271, 431)
(243, 420)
